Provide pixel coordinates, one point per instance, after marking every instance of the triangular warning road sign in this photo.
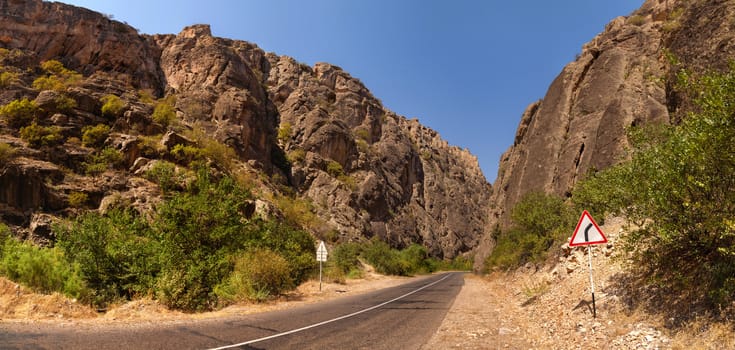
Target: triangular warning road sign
(587, 232)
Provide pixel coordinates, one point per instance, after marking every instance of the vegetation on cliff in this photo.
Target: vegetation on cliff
(679, 190)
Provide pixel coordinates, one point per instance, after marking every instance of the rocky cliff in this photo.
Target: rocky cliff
(622, 77)
(313, 132)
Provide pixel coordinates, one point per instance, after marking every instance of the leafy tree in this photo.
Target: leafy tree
(116, 253)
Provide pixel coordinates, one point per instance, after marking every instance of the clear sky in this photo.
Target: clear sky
(465, 68)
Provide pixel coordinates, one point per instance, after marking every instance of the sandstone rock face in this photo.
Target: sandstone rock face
(316, 131)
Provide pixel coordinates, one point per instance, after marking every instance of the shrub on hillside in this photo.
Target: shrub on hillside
(57, 77)
(99, 162)
(6, 152)
(164, 174)
(8, 78)
(164, 113)
(95, 136)
(38, 136)
(112, 106)
(19, 113)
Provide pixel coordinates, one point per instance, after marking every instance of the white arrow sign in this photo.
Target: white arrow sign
(321, 252)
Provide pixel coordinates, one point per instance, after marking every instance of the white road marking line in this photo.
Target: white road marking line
(329, 321)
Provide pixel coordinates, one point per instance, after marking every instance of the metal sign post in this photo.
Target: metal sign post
(321, 256)
(592, 282)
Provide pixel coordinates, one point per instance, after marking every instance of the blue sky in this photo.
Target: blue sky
(465, 68)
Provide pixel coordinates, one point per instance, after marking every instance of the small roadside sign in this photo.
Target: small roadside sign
(587, 232)
(321, 252)
(321, 256)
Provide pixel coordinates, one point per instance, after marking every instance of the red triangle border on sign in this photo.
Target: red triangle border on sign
(576, 231)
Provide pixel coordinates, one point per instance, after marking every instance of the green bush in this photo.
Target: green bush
(95, 136)
(57, 77)
(101, 161)
(77, 199)
(294, 244)
(678, 188)
(38, 136)
(112, 106)
(49, 83)
(199, 230)
(44, 270)
(539, 221)
(335, 169)
(19, 113)
(65, 103)
(164, 174)
(296, 156)
(346, 257)
(284, 132)
(416, 257)
(257, 275)
(384, 259)
(187, 154)
(164, 113)
(202, 229)
(212, 149)
(459, 263)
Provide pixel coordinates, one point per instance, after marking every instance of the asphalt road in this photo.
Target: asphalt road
(401, 317)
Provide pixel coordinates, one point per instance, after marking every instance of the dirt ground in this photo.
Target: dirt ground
(528, 309)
